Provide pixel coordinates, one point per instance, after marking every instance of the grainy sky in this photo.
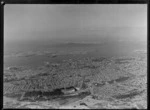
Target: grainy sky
(75, 23)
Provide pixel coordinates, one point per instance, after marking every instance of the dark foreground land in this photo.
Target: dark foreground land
(89, 82)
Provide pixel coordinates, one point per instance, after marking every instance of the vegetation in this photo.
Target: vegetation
(92, 73)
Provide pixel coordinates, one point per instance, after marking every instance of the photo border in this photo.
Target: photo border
(5, 2)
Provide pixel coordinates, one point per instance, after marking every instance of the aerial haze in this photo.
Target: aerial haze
(75, 23)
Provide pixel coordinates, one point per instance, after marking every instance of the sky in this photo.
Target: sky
(75, 23)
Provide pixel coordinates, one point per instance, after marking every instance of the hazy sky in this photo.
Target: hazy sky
(79, 23)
